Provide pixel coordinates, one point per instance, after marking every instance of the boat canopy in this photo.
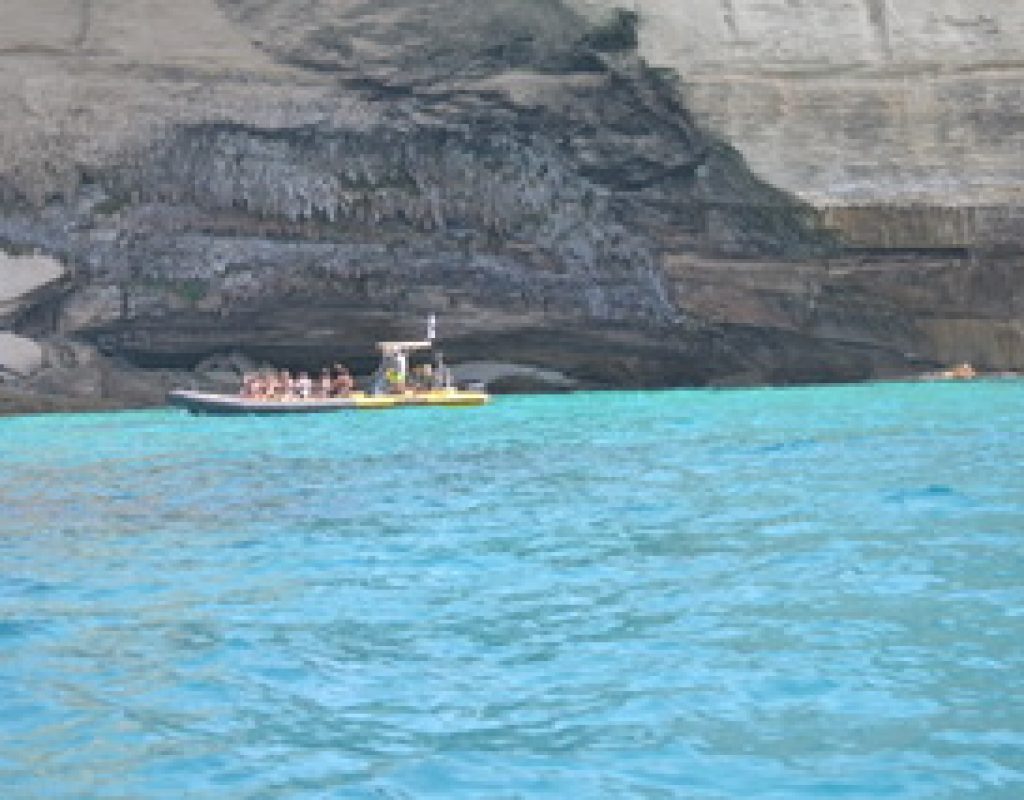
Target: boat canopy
(396, 348)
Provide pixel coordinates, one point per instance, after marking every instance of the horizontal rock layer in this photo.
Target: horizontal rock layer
(915, 103)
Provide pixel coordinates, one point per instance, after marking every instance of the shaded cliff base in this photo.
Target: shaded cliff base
(742, 322)
(77, 377)
(782, 360)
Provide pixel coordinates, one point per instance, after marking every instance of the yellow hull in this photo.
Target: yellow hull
(450, 397)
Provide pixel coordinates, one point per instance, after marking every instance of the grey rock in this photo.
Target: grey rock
(19, 356)
(521, 377)
(79, 382)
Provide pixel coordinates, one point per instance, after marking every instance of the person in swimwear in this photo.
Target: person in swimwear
(285, 385)
(323, 387)
(304, 386)
(268, 385)
(343, 383)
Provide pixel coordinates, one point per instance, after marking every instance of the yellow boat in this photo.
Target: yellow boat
(388, 390)
(211, 403)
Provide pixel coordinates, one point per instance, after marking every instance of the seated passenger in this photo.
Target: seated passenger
(417, 379)
(394, 381)
(285, 385)
(323, 386)
(304, 386)
(269, 386)
(343, 383)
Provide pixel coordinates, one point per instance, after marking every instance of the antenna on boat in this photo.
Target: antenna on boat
(431, 327)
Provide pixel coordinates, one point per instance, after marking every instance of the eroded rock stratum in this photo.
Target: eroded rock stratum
(289, 181)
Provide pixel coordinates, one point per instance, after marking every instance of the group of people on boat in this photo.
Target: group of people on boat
(282, 385)
(423, 378)
(338, 382)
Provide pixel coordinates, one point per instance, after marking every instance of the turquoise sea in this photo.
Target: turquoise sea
(799, 593)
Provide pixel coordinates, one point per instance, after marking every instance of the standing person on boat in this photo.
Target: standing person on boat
(324, 384)
(442, 376)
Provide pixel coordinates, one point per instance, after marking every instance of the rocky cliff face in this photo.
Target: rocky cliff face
(857, 101)
(901, 123)
(291, 183)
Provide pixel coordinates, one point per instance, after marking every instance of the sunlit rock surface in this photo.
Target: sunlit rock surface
(573, 187)
(22, 280)
(857, 100)
(19, 355)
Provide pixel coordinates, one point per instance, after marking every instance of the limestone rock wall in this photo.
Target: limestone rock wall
(859, 102)
(857, 99)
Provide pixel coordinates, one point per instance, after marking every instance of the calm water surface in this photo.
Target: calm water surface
(806, 593)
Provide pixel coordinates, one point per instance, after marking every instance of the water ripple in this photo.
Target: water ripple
(767, 594)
